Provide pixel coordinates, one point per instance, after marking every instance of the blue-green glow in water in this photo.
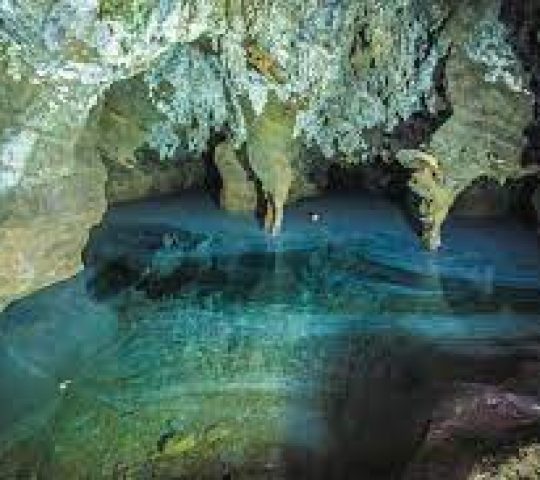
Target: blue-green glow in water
(192, 341)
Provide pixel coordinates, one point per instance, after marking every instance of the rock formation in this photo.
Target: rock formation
(59, 194)
(491, 109)
(107, 101)
(120, 124)
(270, 150)
(238, 190)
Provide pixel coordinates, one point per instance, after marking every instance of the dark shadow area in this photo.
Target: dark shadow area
(120, 257)
(482, 294)
(375, 398)
(378, 177)
(522, 206)
(396, 408)
(480, 208)
(484, 198)
(213, 181)
(522, 19)
(487, 199)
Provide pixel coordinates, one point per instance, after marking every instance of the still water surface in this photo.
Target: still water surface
(192, 346)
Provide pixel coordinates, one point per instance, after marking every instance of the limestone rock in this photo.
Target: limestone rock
(51, 185)
(238, 191)
(120, 127)
(484, 136)
(461, 428)
(430, 199)
(271, 149)
(513, 463)
(44, 228)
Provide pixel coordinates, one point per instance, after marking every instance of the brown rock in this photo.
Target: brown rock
(238, 191)
(271, 149)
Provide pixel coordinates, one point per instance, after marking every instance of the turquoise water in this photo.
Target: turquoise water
(192, 345)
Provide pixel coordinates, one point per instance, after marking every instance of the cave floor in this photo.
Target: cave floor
(194, 346)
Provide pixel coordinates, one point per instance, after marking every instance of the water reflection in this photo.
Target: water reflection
(330, 353)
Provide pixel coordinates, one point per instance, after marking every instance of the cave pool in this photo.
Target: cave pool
(192, 345)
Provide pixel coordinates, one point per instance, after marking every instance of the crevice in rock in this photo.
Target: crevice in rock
(213, 182)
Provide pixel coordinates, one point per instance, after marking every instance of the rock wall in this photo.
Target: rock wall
(56, 61)
(485, 135)
(120, 126)
(68, 166)
(87, 89)
(238, 188)
(51, 185)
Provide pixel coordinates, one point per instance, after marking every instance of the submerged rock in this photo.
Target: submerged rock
(476, 420)
(512, 463)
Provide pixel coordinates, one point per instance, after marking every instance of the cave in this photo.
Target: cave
(270, 239)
